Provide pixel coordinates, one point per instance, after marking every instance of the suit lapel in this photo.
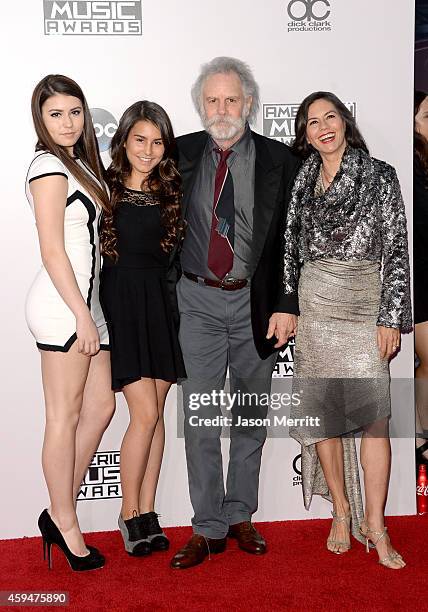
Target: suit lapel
(267, 181)
(190, 158)
(190, 154)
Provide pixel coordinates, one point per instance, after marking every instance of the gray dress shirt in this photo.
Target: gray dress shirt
(241, 163)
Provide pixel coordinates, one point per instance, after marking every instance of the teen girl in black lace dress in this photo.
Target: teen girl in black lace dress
(138, 235)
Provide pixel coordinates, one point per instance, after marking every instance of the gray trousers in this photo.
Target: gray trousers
(215, 332)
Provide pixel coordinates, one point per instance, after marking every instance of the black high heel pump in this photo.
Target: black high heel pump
(52, 535)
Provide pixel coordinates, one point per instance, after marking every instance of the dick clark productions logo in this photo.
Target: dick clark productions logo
(297, 469)
(309, 16)
(92, 17)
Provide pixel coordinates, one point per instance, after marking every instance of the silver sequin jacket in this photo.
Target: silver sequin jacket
(360, 217)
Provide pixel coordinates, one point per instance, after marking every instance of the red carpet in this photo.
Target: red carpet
(297, 574)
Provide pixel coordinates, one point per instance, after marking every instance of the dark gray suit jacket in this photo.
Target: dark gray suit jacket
(275, 170)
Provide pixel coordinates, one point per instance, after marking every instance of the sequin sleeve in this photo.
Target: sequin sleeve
(395, 305)
(291, 246)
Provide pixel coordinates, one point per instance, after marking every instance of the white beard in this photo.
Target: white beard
(223, 128)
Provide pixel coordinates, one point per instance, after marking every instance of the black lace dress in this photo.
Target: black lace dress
(135, 298)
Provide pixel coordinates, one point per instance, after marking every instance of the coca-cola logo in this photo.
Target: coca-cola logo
(422, 490)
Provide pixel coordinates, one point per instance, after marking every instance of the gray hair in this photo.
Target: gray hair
(223, 65)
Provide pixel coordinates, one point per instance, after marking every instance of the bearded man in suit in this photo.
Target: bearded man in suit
(236, 186)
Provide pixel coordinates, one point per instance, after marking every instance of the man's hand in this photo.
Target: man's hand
(283, 326)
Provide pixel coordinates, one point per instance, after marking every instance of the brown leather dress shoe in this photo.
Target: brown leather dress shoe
(249, 539)
(195, 551)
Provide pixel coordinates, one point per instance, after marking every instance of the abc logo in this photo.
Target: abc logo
(316, 10)
(297, 464)
(105, 126)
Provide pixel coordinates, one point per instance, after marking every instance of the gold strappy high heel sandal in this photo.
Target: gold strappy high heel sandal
(388, 559)
(332, 541)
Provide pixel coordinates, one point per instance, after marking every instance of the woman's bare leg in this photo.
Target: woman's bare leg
(330, 453)
(64, 377)
(141, 397)
(97, 411)
(151, 476)
(375, 457)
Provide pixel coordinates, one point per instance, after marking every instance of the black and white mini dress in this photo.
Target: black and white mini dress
(49, 319)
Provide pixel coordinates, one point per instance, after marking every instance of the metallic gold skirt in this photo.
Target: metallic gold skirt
(342, 382)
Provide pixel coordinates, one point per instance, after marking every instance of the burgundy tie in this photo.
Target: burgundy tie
(220, 251)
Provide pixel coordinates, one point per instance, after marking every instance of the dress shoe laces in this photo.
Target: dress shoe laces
(135, 530)
(247, 527)
(151, 523)
(198, 543)
(247, 530)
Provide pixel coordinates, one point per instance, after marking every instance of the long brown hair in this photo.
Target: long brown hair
(164, 180)
(420, 142)
(86, 148)
(352, 134)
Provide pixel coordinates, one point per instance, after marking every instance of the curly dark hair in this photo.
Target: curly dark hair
(164, 180)
(352, 134)
(420, 142)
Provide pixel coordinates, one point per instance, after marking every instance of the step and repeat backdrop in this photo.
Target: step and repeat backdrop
(121, 52)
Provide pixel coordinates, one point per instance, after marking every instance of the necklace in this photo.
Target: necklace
(326, 178)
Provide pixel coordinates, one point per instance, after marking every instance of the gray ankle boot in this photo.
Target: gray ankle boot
(134, 537)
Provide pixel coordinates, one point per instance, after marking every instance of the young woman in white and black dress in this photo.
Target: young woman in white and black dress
(346, 257)
(139, 232)
(66, 190)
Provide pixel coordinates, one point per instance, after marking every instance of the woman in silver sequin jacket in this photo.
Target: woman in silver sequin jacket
(363, 219)
(346, 265)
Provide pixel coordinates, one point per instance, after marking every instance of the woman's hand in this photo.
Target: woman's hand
(88, 339)
(283, 326)
(388, 341)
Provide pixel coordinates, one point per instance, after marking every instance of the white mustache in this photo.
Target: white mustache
(225, 120)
